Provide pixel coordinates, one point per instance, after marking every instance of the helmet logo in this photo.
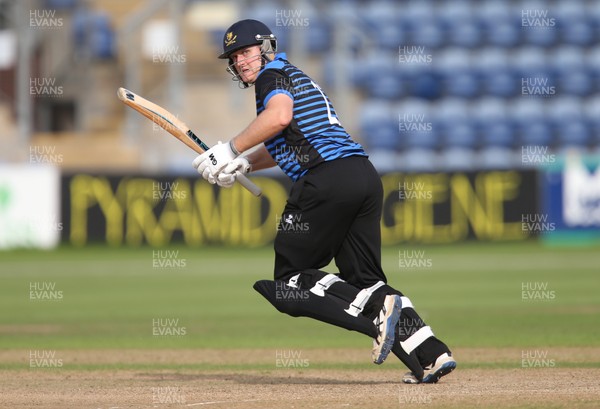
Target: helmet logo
(230, 38)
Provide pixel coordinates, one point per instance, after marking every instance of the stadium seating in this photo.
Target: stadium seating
(491, 76)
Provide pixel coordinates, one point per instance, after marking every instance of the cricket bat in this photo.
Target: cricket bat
(175, 127)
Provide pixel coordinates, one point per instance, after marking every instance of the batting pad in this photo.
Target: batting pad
(299, 302)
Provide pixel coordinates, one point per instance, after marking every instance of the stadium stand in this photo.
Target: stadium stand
(488, 76)
(438, 84)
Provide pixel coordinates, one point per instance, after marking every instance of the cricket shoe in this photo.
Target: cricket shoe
(443, 365)
(386, 322)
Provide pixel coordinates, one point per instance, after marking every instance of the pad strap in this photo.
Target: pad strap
(416, 339)
(361, 299)
(406, 303)
(324, 283)
(293, 282)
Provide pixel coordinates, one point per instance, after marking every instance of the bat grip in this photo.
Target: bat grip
(248, 184)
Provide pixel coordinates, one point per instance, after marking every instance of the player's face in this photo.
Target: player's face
(247, 63)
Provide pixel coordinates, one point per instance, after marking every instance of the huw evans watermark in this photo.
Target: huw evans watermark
(291, 18)
(532, 155)
(294, 88)
(168, 55)
(536, 223)
(537, 18)
(286, 292)
(413, 396)
(537, 87)
(44, 19)
(537, 291)
(44, 359)
(167, 259)
(44, 222)
(291, 223)
(413, 123)
(408, 326)
(291, 154)
(162, 395)
(44, 291)
(162, 327)
(412, 54)
(413, 259)
(414, 191)
(168, 191)
(289, 358)
(536, 359)
(44, 87)
(44, 154)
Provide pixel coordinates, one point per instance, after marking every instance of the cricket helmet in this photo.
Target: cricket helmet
(246, 33)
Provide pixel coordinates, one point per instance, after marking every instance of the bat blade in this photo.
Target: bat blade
(175, 127)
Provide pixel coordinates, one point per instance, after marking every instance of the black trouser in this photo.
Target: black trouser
(333, 212)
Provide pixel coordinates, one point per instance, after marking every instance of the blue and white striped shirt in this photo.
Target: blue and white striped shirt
(315, 134)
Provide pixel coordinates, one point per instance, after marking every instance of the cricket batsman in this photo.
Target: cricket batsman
(335, 200)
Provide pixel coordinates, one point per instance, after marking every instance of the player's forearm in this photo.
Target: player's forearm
(260, 159)
(274, 119)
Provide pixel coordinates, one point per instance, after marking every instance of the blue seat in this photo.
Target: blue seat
(390, 36)
(415, 125)
(379, 126)
(591, 114)
(566, 58)
(386, 85)
(592, 65)
(491, 121)
(574, 133)
(464, 33)
(578, 32)
(494, 157)
(413, 12)
(536, 133)
(462, 135)
(498, 134)
(568, 63)
(451, 119)
(458, 75)
(385, 160)
(427, 32)
(60, 4)
(458, 158)
(377, 77)
(496, 76)
(575, 25)
(530, 61)
(319, 35)
(501, 83)
(541, 35)
(501, 32)
(426, 84)
(455, 10)
(579, 82)
(564, 109)
(529, 117)
(378, 13)
(420, 160)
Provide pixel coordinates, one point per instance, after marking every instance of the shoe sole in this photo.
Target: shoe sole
(443, 370)
(390, 322)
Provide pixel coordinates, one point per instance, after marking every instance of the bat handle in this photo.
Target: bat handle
(248, 184)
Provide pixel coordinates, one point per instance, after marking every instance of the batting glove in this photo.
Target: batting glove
(214, 160)
(229, 173)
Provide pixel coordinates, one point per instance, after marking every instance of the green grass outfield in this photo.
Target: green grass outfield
(470, 294)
